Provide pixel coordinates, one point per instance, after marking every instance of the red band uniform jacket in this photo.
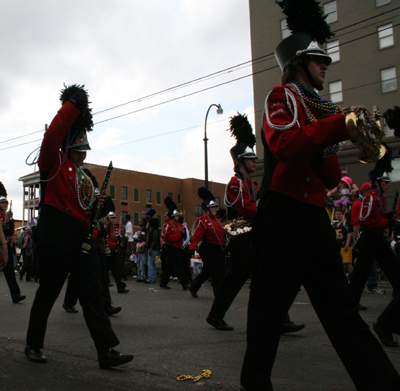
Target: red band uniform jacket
(61, 186)
(173, 234)
(373, 213)
(239, 194)
(295, 149)
(208, 229)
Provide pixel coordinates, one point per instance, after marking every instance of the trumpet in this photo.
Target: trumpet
(366, 133)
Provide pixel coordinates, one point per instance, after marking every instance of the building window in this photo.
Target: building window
(136, 195)
(389, 80)
(158, 196)
(124, 193)
(123, 217)
(159, 220)
(136, 219)
(385, 35)
(285, 32)
(336, 91)
(382, 2)
(330, 10)
(332, 48)
(218, 201)
(198, 211)
(179, 198)
(112, 192)
(170, 195)
(148, 196)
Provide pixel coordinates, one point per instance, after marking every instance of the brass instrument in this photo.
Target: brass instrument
(238, 227)
(366, 133)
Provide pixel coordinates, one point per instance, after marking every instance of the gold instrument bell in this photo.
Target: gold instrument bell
(366, 133)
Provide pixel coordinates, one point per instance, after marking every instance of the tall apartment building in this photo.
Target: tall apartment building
(134, 192)
(364, 71)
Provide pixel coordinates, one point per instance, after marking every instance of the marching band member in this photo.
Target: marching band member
(301, 136)
(375, 218)
(7, 223)
(173, 234)
(68, 198)
(240, 199)
(209, 241)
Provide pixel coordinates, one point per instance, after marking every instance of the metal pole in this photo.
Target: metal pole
(205, 144)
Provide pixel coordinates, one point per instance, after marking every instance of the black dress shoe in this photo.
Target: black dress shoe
(123, 290)
(362, 307)
(185, 287)
(113, 310)
(193, 293)
(18, 299)
(35, 355)
(219, 324)
(291, 327)
(165, 286)
(385, 336)
(71, 309)
(112, 359)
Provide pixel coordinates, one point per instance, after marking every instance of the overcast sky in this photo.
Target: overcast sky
(124, 51)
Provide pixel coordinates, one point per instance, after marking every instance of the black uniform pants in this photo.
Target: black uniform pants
(59, 242)
(9, 274)
(374, 247)
(213, 258)
(295, 244)
(113, 265)
(72, 291)
(240, 264)
(174, 266)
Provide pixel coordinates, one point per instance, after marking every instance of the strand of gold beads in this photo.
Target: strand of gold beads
(206, 375)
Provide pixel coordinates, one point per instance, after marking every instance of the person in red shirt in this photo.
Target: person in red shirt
(240, 199)
(173, 234)
(375, 218)
(302, 133)
(67, 202)
(112, 256)
(209, 241)
(7, 223)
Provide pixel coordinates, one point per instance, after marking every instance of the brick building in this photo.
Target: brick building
(134, 192)
(366, 61)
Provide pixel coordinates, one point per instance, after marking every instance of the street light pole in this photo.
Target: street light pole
(219, 111)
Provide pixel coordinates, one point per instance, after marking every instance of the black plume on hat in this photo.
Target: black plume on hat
(392, 118)
(67, 92)
(109, 204)
(85, 122)
(241, 129)
(385, 163)
(171, 206)
(205, 194)
(3, 191)
(306, 16)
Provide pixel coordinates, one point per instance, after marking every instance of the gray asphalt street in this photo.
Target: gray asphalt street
(167, 333)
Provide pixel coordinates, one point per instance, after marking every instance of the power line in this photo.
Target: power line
(214, 74)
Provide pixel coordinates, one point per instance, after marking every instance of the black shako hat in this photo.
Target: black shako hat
(241, 129)
(76, 138)
(171, 206)
(306, 22)
(208, 198)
